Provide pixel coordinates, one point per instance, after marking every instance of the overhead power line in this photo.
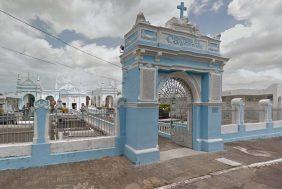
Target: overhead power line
(59, 39)
(50, 62)
(30, 56)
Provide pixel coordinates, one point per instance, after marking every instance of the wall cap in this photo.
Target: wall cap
(265, 102)
(237, 102)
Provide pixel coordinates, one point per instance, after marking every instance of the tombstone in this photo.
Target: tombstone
(152, 55)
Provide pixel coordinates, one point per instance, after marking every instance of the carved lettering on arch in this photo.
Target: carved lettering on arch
(215, 87)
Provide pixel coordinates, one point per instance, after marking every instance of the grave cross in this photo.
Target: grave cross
(182, 9)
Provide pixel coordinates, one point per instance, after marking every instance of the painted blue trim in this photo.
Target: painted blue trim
(210, 129)
(133, 45)
(211, 51)
(131, 38)
(212, 146)
(165, 135)
(41, 157)
(41, 120)
(248, 135)
(180, 125)
(189, 49)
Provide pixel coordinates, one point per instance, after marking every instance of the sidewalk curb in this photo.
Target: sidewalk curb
(216, 173)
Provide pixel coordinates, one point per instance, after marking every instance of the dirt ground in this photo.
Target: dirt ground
(118, 172)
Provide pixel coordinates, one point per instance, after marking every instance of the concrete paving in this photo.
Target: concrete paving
(166, 144)
(177, 153)
(170, 150)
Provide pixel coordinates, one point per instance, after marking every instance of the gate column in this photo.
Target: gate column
(141, 141)
(209, 121)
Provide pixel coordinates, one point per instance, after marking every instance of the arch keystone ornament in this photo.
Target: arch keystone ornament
(41, 104)
(177, 56)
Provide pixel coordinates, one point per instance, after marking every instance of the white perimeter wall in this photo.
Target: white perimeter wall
(82, 144)
(13, 150)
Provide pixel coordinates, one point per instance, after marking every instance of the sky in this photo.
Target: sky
(251, 33)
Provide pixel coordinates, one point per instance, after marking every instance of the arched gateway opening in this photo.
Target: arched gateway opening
(28, 100)
(175, 111)
(109, 101)
(87, 101)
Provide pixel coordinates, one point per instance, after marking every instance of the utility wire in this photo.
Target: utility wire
(30, 56)
(57, 38)
(49, 62)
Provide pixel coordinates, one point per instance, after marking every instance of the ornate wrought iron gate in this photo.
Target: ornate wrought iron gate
(175, 100)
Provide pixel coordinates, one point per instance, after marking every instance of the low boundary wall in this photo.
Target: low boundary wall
(43, 151)
(247, 131)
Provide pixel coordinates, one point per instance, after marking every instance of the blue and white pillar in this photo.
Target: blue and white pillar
(141, 143)
(41, 145)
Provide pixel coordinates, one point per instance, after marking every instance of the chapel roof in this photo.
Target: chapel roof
(28, 82)
(69, 87)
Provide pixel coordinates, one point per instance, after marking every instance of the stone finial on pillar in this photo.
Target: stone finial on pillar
(266, 115)
(41, 122)
(237, 111)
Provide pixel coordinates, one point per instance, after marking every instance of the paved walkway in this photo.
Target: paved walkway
(170, 150)
(166, 144)
(118, 172)
(177, 153)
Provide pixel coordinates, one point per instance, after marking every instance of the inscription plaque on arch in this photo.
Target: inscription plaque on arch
(147, 84)
(215, 87)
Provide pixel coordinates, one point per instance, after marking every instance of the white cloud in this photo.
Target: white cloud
(198, 7)
(255, 47)
(243, 78)
(92, 18)
(217, 5)
(21, 38)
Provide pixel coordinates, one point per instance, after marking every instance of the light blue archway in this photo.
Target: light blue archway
(178, 91)
(153, 54)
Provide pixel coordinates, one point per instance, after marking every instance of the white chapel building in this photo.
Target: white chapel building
(28, 91)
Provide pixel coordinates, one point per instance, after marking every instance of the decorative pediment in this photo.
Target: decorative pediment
(141, 18)
(182, 24)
